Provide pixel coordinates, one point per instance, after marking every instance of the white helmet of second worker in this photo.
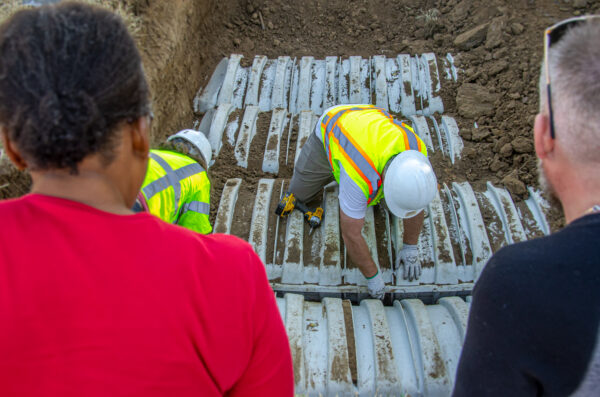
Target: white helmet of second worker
(197, 140)
(409, 184)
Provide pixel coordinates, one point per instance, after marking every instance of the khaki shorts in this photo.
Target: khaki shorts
(312, 171)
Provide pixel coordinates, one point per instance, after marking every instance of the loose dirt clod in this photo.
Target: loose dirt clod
(472, 38)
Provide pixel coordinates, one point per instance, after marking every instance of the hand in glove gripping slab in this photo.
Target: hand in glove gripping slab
(409, 256)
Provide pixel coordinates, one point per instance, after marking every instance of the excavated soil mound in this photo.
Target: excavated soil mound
(497, 46)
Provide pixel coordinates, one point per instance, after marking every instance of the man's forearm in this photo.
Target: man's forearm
(359, 254)
(412, 228)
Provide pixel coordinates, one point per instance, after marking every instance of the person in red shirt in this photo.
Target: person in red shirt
(96, 300)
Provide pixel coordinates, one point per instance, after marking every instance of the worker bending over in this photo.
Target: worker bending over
(370, 155)
(176, 187)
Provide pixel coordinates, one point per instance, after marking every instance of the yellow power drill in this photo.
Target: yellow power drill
(289, 202)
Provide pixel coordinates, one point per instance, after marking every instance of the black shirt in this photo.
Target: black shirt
(533, 324)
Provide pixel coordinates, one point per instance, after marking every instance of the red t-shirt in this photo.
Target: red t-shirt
(98, 304)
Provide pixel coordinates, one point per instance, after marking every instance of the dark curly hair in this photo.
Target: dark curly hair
(69, 74)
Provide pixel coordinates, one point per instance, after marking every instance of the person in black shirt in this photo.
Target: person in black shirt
(534, 324)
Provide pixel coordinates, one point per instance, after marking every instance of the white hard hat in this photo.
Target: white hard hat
(196, 139)
(409, 184)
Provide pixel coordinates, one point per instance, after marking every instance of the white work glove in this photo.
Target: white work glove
(376, 286)
(409, 255)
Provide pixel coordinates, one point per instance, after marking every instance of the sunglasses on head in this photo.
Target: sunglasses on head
(551, 36)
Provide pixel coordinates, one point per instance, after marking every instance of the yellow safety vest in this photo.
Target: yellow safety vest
(362, 139)
(177, 190)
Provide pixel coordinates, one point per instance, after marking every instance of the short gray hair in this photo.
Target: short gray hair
(575, 77)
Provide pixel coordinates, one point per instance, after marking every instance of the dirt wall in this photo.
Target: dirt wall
(175, 42)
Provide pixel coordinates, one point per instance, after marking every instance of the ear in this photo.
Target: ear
(11, 151)
(544, 143)
(140, 137)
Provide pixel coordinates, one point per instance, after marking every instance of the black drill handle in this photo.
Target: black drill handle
(302, 207)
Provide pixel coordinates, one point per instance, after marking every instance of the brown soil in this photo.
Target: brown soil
(243, 211)
(382, 241)
(349, 322)
(224, 169)
(273, 228)
(287, 149)
(258, 144)
(182, 41)
(454, 233)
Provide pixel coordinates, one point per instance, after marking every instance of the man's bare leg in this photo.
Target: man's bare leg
(311, 172)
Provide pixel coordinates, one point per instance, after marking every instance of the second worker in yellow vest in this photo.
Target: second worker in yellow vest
(176, 187)
(372, 157)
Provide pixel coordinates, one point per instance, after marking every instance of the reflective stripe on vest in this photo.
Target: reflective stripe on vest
(363, 164)
(353, 153)
(164, 182)
(196, 206)
(410, 140)
(172, 178)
